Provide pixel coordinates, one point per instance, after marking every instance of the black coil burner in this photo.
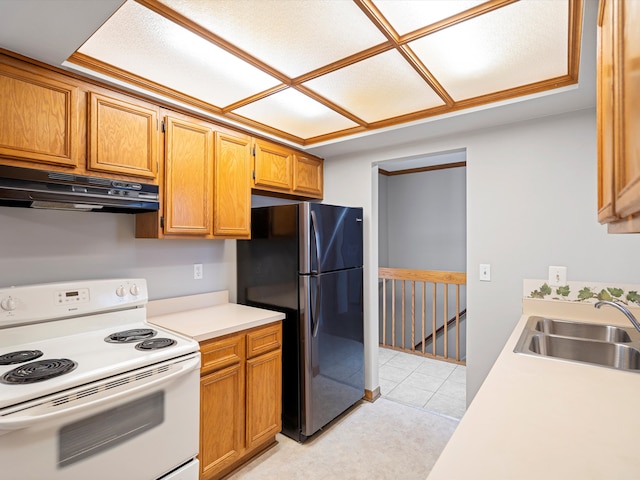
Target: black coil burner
(130, 336)
(19, 357)
(155, 344)
(38, 371)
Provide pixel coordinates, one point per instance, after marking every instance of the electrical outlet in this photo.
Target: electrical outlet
(557, 276)
(198, 271)
(485, 272)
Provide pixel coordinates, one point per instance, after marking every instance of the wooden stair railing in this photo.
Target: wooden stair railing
(440, 329)
(403, 276)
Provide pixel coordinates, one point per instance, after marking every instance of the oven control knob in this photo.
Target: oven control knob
(8, 304)
(135, 291)
(120, 291)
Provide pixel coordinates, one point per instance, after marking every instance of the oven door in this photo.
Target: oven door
(139, 425)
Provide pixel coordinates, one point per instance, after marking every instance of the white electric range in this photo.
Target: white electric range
(90, 389)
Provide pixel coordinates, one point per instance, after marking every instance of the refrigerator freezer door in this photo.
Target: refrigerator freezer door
(330, 238)
(332, 346)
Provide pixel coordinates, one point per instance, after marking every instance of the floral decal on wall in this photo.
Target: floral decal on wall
(587, 294)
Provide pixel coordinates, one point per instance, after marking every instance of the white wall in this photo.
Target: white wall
(531, 203)
(426, 220)
(383, 221)
(50, 246)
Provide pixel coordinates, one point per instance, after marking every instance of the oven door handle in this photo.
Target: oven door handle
(24, 420)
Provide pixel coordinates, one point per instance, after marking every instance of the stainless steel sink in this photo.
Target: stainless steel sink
(592, 331)
(603, 345)
(614, 355)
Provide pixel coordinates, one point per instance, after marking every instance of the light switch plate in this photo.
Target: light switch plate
(557, 276)
(485, 272)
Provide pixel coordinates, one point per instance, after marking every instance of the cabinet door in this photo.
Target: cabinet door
(606, 114)
(123, 136)
(272, 169)
(38, 118)
(221, 419)
(232, 188)
(264, 398)
(628, 166)
(188, 177)
(307, 176)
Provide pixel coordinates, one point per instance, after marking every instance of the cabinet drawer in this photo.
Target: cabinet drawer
(221, 352)
(264, 339)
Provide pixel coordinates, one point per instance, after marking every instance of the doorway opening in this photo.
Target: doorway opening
(422, 281)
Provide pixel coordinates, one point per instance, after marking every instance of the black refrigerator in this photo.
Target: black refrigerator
(305, 260)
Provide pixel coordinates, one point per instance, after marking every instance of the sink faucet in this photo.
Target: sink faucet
(623, 309)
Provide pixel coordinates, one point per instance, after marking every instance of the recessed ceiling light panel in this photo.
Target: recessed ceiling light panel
(293, 112)
(519, 44)
(409, 15)
(139, 41)
(294, 36)
(380, 87)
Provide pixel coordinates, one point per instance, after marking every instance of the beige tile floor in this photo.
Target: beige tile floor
(413, 380)
(383, 440)
(400, 435)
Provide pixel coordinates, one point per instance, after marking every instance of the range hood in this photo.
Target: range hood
(31, 188)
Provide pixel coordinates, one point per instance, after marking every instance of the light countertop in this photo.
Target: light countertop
(543, 418)
(207, 316)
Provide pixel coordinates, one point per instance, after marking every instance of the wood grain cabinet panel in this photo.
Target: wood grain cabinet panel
(232, 179)
(307, 176)
(240, 398)
(272, 167)
(606, 114)
(221, 419)
(264, 397)
(220, 353)
(628, 172)
(123, 136)
(281, 170)
(38, 117)
(618, 97)
(188, 197)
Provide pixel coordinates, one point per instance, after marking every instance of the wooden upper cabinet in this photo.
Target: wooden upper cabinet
(307, 176)
(188, 198)
(618, 120)
(283, 170)
(38, 117)
(232, 186)
(272, 167)
(605, 113)
(628, 172)
(123, 136)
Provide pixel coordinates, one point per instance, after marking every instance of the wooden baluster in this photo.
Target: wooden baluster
(458, 322)
(424, 307)
(433, 320)
(384, 311)
(403, 313)
(393, 313)
(446, 320)
(413, 316)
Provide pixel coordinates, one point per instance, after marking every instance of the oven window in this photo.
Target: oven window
(104, 430)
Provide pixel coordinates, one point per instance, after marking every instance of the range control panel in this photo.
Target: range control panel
(50, 301)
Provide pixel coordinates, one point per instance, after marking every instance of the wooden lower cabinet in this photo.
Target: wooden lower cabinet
(240, 398)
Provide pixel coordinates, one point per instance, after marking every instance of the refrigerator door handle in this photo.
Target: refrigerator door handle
(314, 222)
(316, 324)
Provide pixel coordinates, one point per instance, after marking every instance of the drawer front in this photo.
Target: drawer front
(221, 352)
(264, 339)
